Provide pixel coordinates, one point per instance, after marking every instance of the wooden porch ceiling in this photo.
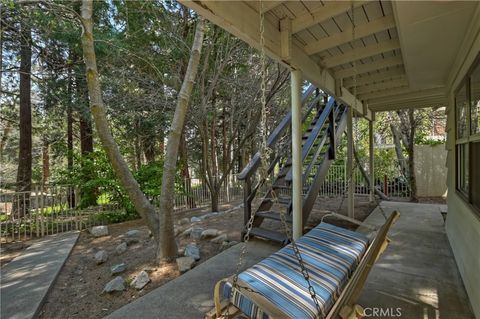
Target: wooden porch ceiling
(316, 37)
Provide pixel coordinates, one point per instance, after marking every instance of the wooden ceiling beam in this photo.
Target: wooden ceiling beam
(369, 67)
(401, 94)
(407, 104)
(361, 31)
(393, 73)
(269, 5)
(387, 85)
(322, 14)
(242, 21)
(361, 53)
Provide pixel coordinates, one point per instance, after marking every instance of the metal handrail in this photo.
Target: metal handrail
(254, 163)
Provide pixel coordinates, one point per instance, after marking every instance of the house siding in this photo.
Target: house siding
(463, 224)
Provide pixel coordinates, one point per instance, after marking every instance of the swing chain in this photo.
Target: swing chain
(301, 263)
(263, 178)
(264, 151)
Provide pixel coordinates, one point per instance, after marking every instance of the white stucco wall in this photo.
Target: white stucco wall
(463, 224)
(430, 170)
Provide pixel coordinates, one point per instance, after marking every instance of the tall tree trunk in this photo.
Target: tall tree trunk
(214, 194)
(85, 118)
(167, 247)
(24, 173)
(71, 192)
(187, 183)
(120, 167)
(408, 127)
(399, 151)
(86, 133)
(148, 146)
(88, 192)
(411, 156)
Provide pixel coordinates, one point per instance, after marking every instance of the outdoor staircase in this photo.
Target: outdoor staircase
(323, 123)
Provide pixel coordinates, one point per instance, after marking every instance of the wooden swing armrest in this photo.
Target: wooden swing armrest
(220, 304)
(353, 288)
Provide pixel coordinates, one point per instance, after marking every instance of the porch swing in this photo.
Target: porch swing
(320, 275)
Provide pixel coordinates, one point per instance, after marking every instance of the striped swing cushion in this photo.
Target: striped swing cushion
(330, 255)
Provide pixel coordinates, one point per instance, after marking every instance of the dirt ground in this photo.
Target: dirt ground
(11, 250)
(77, 293)
(81, 280)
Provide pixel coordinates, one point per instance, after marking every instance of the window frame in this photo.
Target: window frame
(468, 140)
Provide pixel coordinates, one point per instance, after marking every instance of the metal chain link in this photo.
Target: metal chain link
(265, 153)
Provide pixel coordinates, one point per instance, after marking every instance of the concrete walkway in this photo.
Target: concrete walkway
(25, 280)
(417, 274)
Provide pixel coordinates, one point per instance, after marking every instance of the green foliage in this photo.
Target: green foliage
(114, 216)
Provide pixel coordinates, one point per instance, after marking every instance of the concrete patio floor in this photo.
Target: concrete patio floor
(415, 278)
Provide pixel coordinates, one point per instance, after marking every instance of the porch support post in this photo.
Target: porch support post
(371, 162)
(350, 201)
(297, 198)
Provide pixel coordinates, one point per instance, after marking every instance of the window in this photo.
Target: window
(462, 111)
(475, 101)
(467, 111)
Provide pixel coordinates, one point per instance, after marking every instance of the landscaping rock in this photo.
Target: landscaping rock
(120, 249)
(210, 215)
(220, 239)
(195, 219)
(184, 221)
(118, 268)
(99, 231)
(196, 233)
(141, 280)
(186, 232)
(209, 233)
(192, 251)
(117, 284)
(133, 233)
(185, 264)
(101, 256)
(131, 241)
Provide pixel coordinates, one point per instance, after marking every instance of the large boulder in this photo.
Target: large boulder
(116, 284)
(193, 251)
(195, 219)
(141, 280)
(118, 268)
(185, 263)
(101, 256)
(99, 231)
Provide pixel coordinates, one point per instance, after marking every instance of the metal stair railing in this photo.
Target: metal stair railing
(250, 169)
